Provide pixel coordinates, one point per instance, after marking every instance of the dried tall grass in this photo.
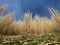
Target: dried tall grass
(29, 25)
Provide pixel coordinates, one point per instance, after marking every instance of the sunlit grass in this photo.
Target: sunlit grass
(31, 30)
(45, 39)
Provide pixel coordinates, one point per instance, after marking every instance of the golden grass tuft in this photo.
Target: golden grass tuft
(29, 25)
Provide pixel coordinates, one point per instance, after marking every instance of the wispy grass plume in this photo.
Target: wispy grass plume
(29, 25)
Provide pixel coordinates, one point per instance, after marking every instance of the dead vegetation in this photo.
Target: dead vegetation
(29, 25)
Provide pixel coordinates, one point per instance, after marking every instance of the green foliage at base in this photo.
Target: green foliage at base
(46, 39)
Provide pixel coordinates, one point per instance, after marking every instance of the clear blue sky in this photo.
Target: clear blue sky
(35, 6)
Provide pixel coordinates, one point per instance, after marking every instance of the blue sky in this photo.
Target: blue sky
(34, 6)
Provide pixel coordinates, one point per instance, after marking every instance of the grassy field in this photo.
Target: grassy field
(31, 30)
(46, 39)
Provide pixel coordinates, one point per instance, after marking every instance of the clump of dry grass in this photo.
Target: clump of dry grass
(5, 22)
(56, 19)
(29, 25)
